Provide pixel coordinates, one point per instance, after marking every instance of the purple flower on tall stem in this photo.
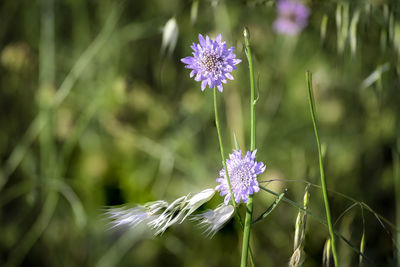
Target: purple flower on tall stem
(293, 17)
(242, 175)
(212, 62)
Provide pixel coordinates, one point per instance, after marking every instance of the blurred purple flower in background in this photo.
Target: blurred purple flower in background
(212, 62)
(242, 175)
(293, 17)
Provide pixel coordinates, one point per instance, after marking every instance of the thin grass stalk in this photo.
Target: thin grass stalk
(46, 88)
(362, 242)
(321, 166)
(46, 138)
(249, 206)
(381, 219)
(270, 208)
(18, 254)
(121, 247)
(396, 176)
(221, 146)
(321, 221)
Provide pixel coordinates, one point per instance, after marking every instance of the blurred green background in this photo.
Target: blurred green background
(95, 111)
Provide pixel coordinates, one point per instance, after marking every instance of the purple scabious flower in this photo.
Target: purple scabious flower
(212, 62)
(293, 17)
(242, 175)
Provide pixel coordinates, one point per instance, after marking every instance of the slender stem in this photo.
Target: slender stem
(321, 166)
(270, 208)
(246, 231)
(320, 220)
(249, 206)
(46, 84)
(396, 176)
(221, 146)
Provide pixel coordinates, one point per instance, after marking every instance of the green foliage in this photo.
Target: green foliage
(94, 114)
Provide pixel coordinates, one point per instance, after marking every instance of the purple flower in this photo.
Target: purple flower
(293, 17)
(212, 62)
(242, 175)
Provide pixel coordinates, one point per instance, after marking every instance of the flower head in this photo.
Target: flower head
(212, 62)
(293, 17)
(242, 175)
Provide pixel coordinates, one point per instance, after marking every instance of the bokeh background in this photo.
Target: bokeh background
(97, 110)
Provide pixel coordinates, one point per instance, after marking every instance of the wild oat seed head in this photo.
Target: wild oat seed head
(213, 220)
(326, 256)
(170, 36)
(132, 217)
(159, 215)
(297, 258)
(242, 175)
(293, 17)
(197, 200)
(212, 62)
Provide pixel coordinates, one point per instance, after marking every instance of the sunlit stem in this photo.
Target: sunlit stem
(321, 166)
(221, 146)
(396, 175)
(249, 206)
(226, 168)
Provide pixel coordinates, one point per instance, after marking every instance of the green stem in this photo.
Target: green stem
(320, 220)
(321, 166)
(221, 146)
(249, 206)
(396, 176)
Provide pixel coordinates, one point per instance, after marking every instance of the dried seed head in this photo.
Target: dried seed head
(132, 217)
(170, 36)
(362, 248)
(326, 256)
(297, 258)
(170, 215)
(213, 220)
(301, 221)
(298, 230)
(197, 200)
(159, 215)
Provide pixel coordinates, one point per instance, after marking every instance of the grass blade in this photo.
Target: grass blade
(270, 208)
(321, 166)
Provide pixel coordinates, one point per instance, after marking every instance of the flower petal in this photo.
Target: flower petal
(229, 76)
(203, 85)
(202, 41)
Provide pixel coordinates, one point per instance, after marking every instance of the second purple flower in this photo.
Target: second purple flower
(293, 17)
(243, 172)
(212, 62)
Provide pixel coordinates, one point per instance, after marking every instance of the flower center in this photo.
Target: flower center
(210, 62)
(291, 16)
(241, 176)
